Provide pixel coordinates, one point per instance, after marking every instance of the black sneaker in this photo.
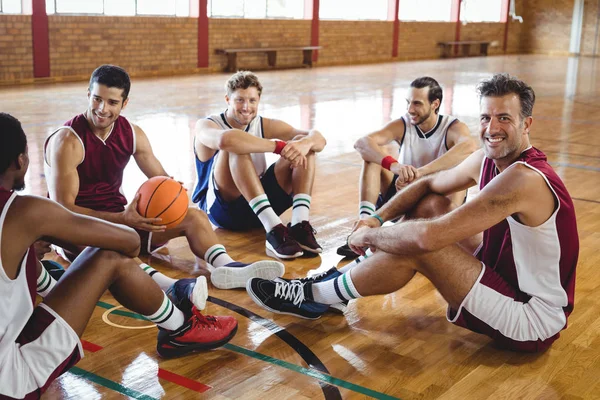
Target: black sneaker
(283, 297)
(346, 251)
(281, 245)
(304, 234)
(55, 270)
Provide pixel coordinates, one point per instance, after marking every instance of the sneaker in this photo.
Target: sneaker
(188, 293)
(236, 274)
(283, 297)
(200, 332)
(55, 270)
(281, 245)
(304, 234)
(332, 273)
(346, 251)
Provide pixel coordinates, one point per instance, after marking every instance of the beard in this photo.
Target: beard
(18, 186)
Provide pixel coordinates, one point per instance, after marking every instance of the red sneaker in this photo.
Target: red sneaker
(200, 332)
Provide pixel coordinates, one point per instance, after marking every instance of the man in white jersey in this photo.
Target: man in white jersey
(235, 187)
(39, 343)
(428, 142)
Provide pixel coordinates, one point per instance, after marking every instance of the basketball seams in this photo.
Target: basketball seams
(152, 195)
(177, 219)
(171, 203)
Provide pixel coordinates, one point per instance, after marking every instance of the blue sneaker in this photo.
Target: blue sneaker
(189, 292)
(236, 274)
(281, 297)
(332, 273)
(55, 270)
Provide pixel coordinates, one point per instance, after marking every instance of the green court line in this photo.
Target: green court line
(107, 383)
(305, 371)
(310, 372)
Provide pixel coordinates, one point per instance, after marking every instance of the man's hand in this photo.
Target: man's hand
(362, 225)
(133, 219)
(406, 173)
(295, 152)
(357, 240)
(41, 247)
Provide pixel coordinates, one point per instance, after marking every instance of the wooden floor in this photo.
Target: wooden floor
(394, 346)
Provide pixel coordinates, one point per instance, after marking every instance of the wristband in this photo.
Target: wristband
(378, 218)
(387, 162)
(279, 145)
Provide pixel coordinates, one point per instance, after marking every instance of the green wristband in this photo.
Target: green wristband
(378, 218)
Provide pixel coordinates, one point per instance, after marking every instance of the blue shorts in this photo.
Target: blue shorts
(237, 215)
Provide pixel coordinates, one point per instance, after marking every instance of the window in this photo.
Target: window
(354, 10)
(425, 10)
(180, 8)
(293, 9)
(481, 10)
(10, 6)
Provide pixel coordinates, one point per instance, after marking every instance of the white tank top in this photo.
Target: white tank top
(419, 148)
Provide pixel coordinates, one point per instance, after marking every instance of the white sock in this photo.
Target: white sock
(300, 208)
(45, 283)
(263, 210)
(335, 290)
(163, 281)
(357, 261)
(167, 316)
(366, 209)
(217, 256)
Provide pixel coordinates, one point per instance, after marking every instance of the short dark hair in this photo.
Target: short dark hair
(112, 76)
(242, 80)
(503, 84)
(435, 90)
(13, 141)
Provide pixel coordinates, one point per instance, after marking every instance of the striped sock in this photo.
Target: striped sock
(357, 261)
(366, 209)
(45, 283)
(167, 316)
(217, 256)
(163, 281)
(335, 290)
(263, 210)
(300, 208)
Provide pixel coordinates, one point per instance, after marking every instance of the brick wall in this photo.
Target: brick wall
(489, 31)
(418, 40)
(16, 49)
(547, 25)
(141, 45)
(355, 42)
(240, 33)
(516, 31)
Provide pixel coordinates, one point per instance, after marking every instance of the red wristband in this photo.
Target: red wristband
(387, 162)
(279, 145)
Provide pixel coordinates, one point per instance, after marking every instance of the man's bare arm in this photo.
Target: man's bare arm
(144, 156)
(212, 137)
(369, 147)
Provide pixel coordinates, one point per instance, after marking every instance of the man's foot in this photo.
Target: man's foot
(332, 273)
(304, 234)
(283, 297)
(236, 274)
(189, 292)
(281, 245)
(200, 332)
(346, 251)
(55, 270)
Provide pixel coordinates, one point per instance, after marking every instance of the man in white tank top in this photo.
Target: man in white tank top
(235, 187)
(429, 142)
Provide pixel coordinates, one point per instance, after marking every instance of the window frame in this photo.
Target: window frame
(103, 13)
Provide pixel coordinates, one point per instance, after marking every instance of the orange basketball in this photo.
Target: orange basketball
(165, 198)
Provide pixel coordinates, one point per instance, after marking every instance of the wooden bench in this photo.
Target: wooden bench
(465, 47)
(271, 52)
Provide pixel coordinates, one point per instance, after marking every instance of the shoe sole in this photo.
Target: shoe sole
(200, 293)
(187, 349)
(272, 253)
(339, 308)
(232, 278)
(264, 306)
(310, 249)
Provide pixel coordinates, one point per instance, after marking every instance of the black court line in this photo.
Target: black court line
(586, 200)
(329, 391)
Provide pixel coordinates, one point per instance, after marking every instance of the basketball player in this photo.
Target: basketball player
(519, 286)
(235, 187)
(85, 160)
(39, 343)
(428, 141)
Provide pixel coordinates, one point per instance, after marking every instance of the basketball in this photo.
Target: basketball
(163, 197)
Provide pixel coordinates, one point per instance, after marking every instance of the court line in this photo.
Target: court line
(107, 383)
(183, 381)
(587, 200)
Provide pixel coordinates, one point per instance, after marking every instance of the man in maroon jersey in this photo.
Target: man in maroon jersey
(518, 287)
(39, 343)
(85, 160)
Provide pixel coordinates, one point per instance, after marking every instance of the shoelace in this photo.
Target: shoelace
(308, 228)
(293, 291)
(205, 320)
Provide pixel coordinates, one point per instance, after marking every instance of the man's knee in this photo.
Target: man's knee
(196, 219)
(432, 205)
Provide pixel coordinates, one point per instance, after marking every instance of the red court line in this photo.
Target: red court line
(183, 381)
(90, 346)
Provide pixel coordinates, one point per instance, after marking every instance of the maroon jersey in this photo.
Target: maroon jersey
(101, 170)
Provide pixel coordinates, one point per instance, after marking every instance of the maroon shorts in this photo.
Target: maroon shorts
(146, 246)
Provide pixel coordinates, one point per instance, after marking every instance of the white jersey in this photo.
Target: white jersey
(419, 148)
